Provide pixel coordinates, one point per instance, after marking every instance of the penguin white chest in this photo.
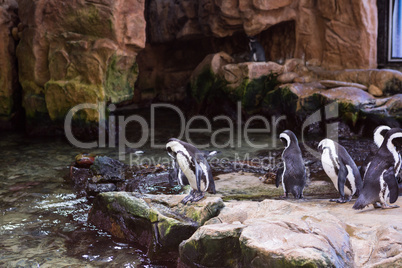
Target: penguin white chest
(329, 168)
(184, 165)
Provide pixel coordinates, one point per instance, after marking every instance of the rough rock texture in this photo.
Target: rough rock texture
(157, 222)
(270, 88)
(78, 52)
(249, 186)
(340, 34)
(314, 233)
(9, 87)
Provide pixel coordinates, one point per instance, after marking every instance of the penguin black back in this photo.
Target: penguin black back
(378, 137)
(293, 173)
(380, 182)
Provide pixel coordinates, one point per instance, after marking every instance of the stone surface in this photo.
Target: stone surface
(334, 84)
(249, 186)
(281, 233)
(9, 88)
(348, 30)
(388, 81)
(157, 222)
(375, 91)
(77, 52)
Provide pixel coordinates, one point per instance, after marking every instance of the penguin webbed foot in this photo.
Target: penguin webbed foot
(386, 206)
(197, 196)
(189, 197)
(341, 199)
(193, 196)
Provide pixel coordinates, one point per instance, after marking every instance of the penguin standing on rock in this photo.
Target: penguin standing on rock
(293, 172)
(257, 52)
(191, 168)
(380, 178)
(341, 169)
(379, 134)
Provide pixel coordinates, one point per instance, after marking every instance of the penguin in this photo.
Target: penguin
(257, 52)
(191, 167)
(341, 169)
(380, 182)
(379, 134)
(293, 173)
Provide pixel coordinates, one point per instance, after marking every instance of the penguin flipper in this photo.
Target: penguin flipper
(279, 174)
(390, 179)
(173, 174)
(198, 175)
(342, 174)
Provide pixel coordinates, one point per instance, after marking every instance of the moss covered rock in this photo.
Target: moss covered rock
(158, 222)
(72, 53)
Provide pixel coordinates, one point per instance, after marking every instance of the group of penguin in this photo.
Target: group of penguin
(375, 183)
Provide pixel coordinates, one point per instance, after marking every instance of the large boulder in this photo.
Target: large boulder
(9, 88)
(77, 52)
(312, 233)
(157, 222)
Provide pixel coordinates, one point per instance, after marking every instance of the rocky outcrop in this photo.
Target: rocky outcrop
(335, 34)
(297, 90)
(281, 233)
(158, 223)
(77, 52)
(9, 88)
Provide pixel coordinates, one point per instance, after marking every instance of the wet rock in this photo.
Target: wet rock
(157, 222)
(107, 169)
(8, 64)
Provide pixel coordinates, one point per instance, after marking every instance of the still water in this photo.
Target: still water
(43, 223)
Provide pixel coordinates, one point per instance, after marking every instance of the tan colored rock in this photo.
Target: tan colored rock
(287, 77)
(349, 29)
(294, 232)
(334, 83)
(213, 62)
(375, 91)
(92, 46)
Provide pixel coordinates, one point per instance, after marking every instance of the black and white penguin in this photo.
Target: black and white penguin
(257, 52)
(380, 182)
(341, 169)
(379, 134)
(293, 173)
(191, 168)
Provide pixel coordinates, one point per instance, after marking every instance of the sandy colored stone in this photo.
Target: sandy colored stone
(287, 77)
(334, 83)
(375, 91)
(83, 43)
(303, 232)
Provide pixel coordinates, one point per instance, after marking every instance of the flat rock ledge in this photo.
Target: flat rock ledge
(269, 233)
(311, 233)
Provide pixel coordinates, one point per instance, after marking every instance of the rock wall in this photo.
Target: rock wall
(74, 52)
(8, 69)
(86, 51)
(334, 34)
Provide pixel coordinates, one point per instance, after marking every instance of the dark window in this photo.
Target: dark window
(389, 33)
